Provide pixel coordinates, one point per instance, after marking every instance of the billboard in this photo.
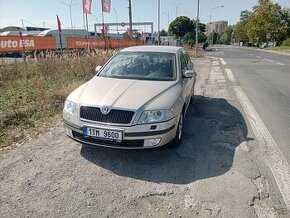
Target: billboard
(26, 43)
(74, 43)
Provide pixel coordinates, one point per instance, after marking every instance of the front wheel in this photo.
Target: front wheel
(179, 133)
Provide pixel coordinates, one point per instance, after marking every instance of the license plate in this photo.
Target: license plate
(103, 133)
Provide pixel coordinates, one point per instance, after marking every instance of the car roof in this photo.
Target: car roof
(152, 48)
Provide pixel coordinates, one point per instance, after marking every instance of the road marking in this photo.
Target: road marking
(268, 60)
(274, 158)
(258, 56)
(280, 64)
(230, 75)
(251, 54)
(223, 61)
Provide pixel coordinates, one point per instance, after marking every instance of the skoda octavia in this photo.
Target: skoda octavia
(137, 100)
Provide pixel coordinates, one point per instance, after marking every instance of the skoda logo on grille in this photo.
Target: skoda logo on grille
(105, 110)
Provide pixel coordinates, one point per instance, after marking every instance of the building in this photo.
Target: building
(216, 27)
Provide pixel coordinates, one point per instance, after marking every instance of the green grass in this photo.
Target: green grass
(280, 48)
(32, 94)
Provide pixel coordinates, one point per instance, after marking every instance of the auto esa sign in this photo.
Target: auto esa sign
(26, 43)
(15, 43)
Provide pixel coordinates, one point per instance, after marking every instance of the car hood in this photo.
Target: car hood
(122, 93)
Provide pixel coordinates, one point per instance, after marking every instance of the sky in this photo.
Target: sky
(43, 13)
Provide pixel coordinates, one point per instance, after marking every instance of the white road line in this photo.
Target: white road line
(275, 159)
(268, 60)
(251, 54)
(258, 56)
(223, 61)
(230, 75)
(280, 64)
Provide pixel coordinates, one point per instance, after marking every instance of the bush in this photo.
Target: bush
(286, 42)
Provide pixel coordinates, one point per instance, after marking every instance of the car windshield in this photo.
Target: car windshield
(142, 66)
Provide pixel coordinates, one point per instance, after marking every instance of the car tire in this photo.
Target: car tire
(179, 133)
(192, 99)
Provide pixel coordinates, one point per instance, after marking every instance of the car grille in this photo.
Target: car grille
(114, 116)
(116, 144)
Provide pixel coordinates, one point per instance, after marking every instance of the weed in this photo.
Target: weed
(36, 91)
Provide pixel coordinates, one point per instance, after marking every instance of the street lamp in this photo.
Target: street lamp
(210, 23)
(70, 5)
(117, 20)
(167, 13)
(176, 8)
(220, 6)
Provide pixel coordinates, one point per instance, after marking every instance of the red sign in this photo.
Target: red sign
(105, 30)
(58, 23)
(129, 32)
(26, 43)
(106, 6)
(75, 43)
(87, 4)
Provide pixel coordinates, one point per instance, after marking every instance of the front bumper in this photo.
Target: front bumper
(134, 137)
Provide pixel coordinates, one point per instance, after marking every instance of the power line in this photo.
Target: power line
(14, 23)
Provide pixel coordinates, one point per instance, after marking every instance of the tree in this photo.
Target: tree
(180, 26)
(201, 27)
(266, 19)
(226, 36)
(189, 38)
(213, 38)
(163, 33)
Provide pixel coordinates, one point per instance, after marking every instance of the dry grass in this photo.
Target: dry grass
(33, 93)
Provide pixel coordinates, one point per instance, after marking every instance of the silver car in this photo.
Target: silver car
(137, 100)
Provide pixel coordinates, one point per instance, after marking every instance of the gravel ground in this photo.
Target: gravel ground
(215, 172)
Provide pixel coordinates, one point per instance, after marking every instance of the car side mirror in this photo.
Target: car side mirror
(98, 68)
(189, 74)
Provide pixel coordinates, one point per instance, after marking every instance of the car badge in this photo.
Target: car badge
(105, 110)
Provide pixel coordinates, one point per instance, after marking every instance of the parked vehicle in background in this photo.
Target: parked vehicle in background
(82, 33)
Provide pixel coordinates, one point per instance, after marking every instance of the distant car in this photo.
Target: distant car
(137, 100)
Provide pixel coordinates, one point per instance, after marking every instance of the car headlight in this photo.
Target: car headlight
(71, 107)
(155, 116)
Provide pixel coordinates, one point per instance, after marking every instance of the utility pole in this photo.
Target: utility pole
(197, 23)
(158, 22)
(70, 14)
(130, 18)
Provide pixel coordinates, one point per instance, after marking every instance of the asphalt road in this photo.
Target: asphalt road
(265, 78)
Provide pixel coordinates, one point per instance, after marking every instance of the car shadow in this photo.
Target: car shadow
(213, 129)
